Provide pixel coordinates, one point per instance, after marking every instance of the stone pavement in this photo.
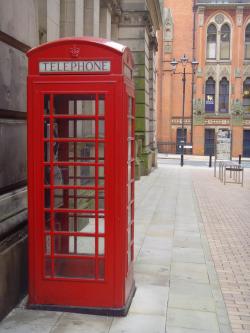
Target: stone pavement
(177, 286)
(225, 211)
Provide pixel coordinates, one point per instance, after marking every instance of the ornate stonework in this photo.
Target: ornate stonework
(168, 32)
(224, 72)
(217, 122)
(201, 11)
(178, 121)
(246, 72)
(239, 15)
(211, 71)
(219, 18)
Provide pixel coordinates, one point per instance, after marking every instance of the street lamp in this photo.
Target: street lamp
(174, 63)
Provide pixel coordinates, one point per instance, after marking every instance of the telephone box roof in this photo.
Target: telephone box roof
(81, 40)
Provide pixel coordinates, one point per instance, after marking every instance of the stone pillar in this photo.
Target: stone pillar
(105, 22)
(152, 99)
(53, 20)
(67, 18)
(79, 18)
(91, 17)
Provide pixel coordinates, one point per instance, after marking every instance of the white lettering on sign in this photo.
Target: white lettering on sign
(91, 66)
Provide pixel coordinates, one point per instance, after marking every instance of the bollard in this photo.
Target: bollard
(210, 161)
(182, 159)
(240, 159)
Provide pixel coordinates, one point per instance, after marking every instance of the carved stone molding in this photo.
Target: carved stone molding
(239, 15)
(246, 72)
(219, 18)
(201, 11)
(168, 25)
(211, 72)
(224, 72)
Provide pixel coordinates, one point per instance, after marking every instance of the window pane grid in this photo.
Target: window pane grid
(73, 242)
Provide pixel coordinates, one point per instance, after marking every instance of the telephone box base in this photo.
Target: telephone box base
(112, 312)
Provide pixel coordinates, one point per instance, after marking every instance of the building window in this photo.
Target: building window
(224, 95)
(211, 41)
(210, 95)
(246, 93)
(225, 42)
(247, 42)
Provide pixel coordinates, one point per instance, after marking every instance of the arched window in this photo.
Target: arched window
(211, 41)
(247, 42)
(246, 92)
(225, 42)
(224, 95)
(210, 95)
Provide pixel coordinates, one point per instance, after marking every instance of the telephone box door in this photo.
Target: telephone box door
(72, 172)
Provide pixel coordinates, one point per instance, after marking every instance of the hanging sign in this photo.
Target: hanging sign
(86, 66)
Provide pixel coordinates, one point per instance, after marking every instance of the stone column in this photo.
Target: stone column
(91, 17)
(53, 20)
(67, 18)
(105, 22)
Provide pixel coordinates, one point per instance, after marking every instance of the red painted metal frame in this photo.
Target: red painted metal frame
(114, 290)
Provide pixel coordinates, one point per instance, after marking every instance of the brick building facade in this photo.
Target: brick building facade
(217, 34)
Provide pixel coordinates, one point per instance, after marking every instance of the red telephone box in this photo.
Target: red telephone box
(81, 176)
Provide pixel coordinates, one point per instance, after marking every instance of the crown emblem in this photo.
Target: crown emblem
(74, 51)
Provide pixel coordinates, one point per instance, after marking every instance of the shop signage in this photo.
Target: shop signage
(223, 145)
(209, 103)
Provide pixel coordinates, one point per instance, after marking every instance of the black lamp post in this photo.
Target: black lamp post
(183, 61)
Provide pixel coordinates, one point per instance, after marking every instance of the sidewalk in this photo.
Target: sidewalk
(177, 286)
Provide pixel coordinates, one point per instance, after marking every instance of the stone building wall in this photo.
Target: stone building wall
(26, 24)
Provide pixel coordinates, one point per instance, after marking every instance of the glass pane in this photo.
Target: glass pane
(83, 105)
(225, 50)
(74, 199)
(211, 50)
(247, 51)
(75, 128)
(75, 222)
(74, 245)
(101, 201)
(101, 105)
(46, 104)
(101, 129)
(101, 246)
(72, 175)
(101, 225)
(58, 175)
(47, 244)
(101, 176)
(75, 268)
(47, 221)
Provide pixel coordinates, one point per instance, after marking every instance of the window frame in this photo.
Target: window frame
(216, 42)
(208, 93)
(226, 96)
(247, 43)
(228, 41)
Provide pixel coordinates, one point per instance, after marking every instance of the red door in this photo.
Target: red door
(72, 229)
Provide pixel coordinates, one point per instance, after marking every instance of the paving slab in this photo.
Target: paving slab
(139, 323)
(177, 285)
(78, 323)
